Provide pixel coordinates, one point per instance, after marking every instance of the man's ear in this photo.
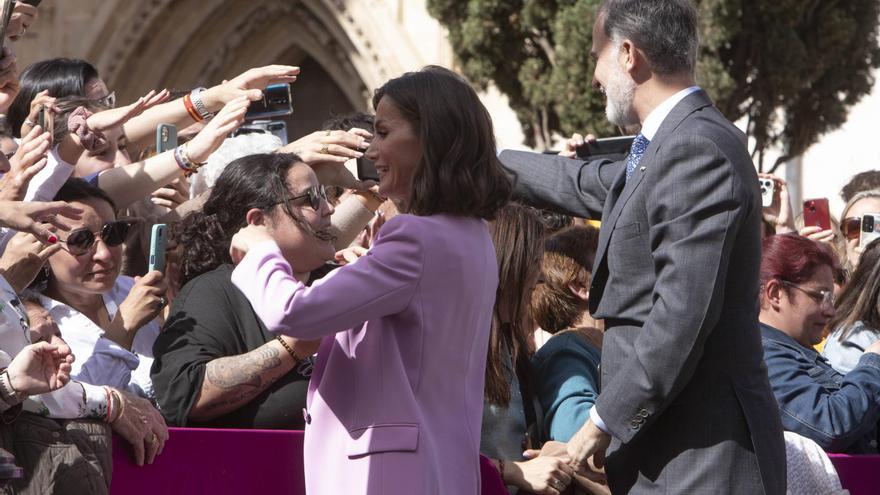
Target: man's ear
(256, 216)
(633, 61)
(580, 291)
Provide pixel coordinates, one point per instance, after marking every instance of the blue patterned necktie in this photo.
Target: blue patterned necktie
(640, 144)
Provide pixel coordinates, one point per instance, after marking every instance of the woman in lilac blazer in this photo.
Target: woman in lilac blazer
(395, 400)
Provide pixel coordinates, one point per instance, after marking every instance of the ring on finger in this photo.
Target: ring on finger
(559, 485)
(162, 301)
(325, 150)
(153, 438)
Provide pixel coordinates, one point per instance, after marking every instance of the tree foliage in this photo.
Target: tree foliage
(792, 68)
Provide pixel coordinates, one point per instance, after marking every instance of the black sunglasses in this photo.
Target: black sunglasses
(80, 241)
(316, 195)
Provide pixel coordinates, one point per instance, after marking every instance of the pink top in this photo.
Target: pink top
(395, 401)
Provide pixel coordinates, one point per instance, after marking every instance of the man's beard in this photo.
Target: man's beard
(620, 93)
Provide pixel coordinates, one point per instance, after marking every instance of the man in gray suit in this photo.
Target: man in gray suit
(685, 405)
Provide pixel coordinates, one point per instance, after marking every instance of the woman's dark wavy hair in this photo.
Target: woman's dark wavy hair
(459, 173)
(255, 181)
(61, 76)
(518, 235)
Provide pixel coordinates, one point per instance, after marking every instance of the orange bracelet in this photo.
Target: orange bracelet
(191, 109)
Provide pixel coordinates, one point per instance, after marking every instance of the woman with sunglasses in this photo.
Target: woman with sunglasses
(109, 320)
(217, 365)
(865, 202)
(857, 323)
(396, 398)
(839, 412)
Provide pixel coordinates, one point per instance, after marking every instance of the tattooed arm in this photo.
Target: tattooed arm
(231, 382)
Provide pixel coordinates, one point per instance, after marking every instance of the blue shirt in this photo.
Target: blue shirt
(839, 412)
(567, 383)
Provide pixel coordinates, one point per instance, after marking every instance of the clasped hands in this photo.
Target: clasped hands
(584, 454)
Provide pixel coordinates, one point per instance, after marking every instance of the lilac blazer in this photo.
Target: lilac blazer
(395, 401)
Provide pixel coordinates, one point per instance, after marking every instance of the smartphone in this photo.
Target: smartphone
(870, 228)
(46, 120)
(817, 214)
(158, 242)
(366, 170)
(6, 7)
(615, 148)
(276, 102)
(768, 188)
(166, 138)
(275, 127)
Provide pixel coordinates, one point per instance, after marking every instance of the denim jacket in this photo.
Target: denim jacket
(839, 412)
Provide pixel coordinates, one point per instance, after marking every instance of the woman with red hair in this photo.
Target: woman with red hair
(839, 412)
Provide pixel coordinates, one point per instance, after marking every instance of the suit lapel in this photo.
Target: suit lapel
(679, 113)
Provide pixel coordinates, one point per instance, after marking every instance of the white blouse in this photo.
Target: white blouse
(99, 360)
(74, 400)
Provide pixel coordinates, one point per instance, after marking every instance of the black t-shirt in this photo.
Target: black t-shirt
(211, 318)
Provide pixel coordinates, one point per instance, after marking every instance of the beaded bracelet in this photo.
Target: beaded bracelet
(184, 162)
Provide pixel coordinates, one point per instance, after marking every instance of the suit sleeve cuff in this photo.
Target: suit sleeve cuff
(597, 420)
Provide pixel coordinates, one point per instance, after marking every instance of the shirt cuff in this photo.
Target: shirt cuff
(597, 420)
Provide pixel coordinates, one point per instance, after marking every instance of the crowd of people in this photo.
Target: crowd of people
(636, 326)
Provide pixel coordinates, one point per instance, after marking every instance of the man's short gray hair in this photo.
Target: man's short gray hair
(665, 30)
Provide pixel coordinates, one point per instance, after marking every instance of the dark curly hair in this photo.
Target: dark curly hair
(255, 181)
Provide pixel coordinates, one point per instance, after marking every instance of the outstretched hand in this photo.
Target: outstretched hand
(249, 84)
(115, 117)
(37, 217)
(215, 132)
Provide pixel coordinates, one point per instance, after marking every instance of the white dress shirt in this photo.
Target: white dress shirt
(99, 360)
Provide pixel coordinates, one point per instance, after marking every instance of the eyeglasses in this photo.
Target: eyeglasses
(80, 241)
(316, 195)
(109, 100)
(851, 227)
(822, 297)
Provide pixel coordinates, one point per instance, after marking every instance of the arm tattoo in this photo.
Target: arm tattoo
(235, 372)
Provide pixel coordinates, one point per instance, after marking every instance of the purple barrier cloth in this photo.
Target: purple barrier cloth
(209, 461)
(860, 474)
(491, 481)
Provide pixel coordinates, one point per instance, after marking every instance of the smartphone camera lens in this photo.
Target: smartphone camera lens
(868, 224)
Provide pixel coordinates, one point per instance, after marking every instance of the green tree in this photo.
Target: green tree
(792, 68)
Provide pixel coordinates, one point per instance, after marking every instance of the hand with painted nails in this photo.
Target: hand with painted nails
(23, 258)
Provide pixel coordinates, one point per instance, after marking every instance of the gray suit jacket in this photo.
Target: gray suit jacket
(684, 386)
